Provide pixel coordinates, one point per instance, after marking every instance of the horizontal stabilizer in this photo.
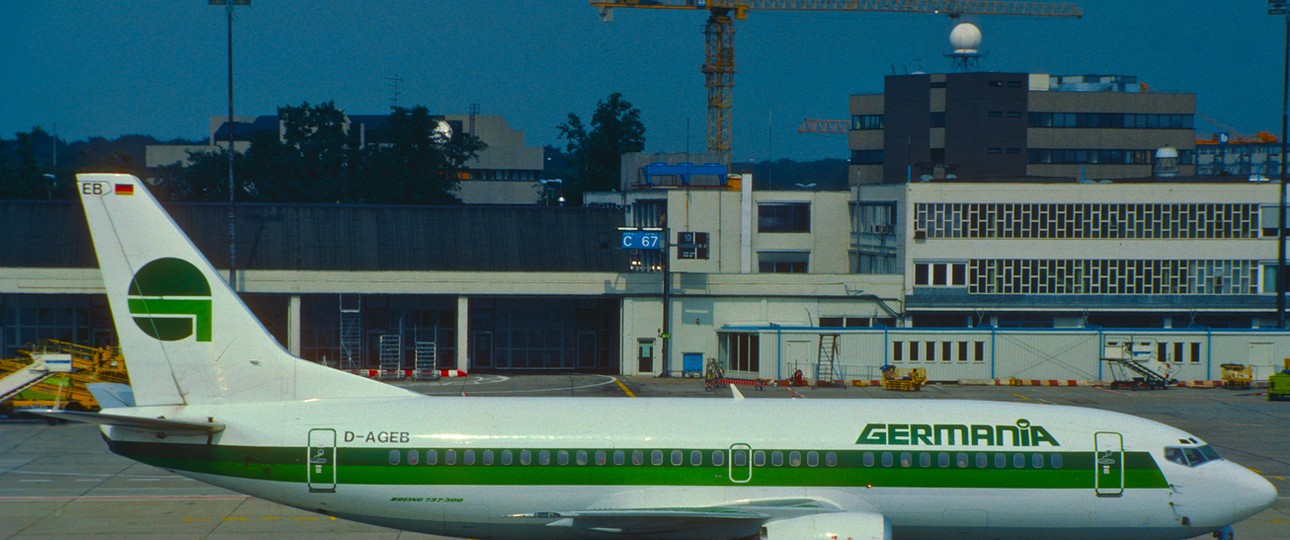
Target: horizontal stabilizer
(160, 426)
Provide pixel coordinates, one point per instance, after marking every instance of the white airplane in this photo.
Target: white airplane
(216, 398)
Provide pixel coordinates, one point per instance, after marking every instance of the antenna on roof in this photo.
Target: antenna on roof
(396, 88)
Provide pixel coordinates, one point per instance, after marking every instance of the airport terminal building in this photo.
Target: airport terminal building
(1075, 238)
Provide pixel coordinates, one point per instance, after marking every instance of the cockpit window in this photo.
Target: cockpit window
(1191, 456)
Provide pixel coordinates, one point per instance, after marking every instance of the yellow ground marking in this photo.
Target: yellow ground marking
(624, 387)
(1021, 397)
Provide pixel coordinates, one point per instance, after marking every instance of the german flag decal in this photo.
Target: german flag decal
(124, 189)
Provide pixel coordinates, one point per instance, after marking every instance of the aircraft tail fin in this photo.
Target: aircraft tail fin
(187, 336)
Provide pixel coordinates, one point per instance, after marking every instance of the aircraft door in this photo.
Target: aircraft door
(740, 463)
(321, 461)
(1108, 459)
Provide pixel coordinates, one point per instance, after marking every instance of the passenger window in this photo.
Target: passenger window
(1000, 461)
(677, 458)
(432, 457)
(812, 459)
(656, 457)
(777, 458)
(924, 460)
(830, 459)
(507, 457)
(718, 458)
(696, 458)
(868, 459)
(581, 457)
(488, 457)
(886, 459)
(468, 457)
(562, 457)
(394, 457)
(1056, 460)
(638, 457)
(600, 457)
(1037, 461)
(795, 459)
(739, 458)
(413, 457)
(619, 457)
(450, 457)
(544, 457)
(943, 460)
(526, 457)
(906, 459)
(759, 458)
(1018, 461)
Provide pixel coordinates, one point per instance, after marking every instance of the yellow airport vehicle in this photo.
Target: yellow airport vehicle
(53, 374)
(1237, 376)
(903, 380)
(1279, 384)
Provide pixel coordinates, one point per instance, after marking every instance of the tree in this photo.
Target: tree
(597, 155)
(418, 163)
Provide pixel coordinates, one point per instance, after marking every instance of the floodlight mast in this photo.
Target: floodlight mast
(232, 201)
(1281, 8)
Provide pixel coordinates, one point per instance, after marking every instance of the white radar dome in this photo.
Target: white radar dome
(965, 38)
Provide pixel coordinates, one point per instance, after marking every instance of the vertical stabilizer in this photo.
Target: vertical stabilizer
(187, 336)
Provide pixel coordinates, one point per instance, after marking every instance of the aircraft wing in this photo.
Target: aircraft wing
(159, 426)
(670, 523)
(740, 520)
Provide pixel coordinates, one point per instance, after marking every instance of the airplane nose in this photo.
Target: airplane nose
(1253, 493)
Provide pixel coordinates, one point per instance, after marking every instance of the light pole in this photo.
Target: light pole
(1281, 8)
(232, 200)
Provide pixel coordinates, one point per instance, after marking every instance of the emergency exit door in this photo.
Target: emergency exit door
(321, 461)
(1108, 459)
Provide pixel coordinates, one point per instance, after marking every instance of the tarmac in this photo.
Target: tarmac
(59, 481)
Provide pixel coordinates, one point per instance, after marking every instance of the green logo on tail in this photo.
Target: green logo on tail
(171, 300)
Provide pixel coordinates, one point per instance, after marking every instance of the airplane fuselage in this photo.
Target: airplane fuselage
(479, 467)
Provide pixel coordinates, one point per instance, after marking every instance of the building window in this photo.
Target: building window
(783, 262)
(866, 121)
(784, 217)
(938, 119)
(866, 157)
(940, 274)
(742, 351)
(1089, 221)
(1113, 276)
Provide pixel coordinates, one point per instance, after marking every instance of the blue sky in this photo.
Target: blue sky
(159, 66)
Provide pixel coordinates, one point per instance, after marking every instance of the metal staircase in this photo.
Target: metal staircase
(827, 370)
(425, 349)
(391, 353)
(351, 331)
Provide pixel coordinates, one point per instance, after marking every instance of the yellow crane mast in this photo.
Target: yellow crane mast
(719, 34)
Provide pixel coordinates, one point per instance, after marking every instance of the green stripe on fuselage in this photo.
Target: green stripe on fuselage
(372, 466)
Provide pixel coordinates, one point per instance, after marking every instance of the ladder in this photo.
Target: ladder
(351, 332)
(827, 371)
(425, 355)
(391, 355)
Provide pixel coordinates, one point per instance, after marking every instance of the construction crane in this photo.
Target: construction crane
(825, 126)
(719, 33)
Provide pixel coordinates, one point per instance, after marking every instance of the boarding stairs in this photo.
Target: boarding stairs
(1135, 375)
(827, 370)
(22, 378)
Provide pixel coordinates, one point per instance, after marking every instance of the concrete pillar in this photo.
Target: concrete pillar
(293, 324)
(463, 333)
